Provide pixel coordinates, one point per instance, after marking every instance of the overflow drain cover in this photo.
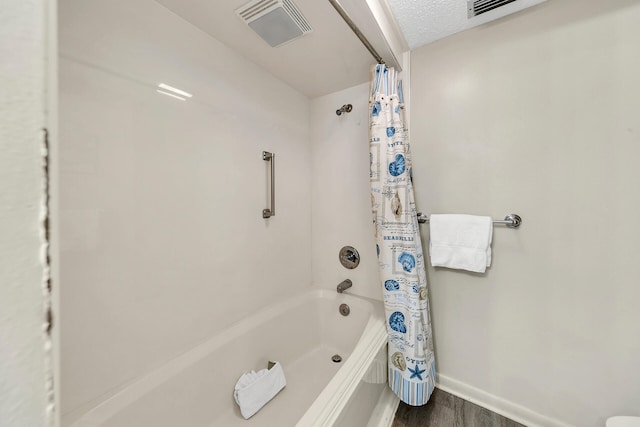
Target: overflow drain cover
(344, 309)
(336, 358)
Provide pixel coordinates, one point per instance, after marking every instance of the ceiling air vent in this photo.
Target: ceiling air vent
(276, 21)
(478, 7)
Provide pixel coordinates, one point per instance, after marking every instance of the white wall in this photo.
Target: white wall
(163, 243)
(341, 203)
(538, 114)
(24, 360)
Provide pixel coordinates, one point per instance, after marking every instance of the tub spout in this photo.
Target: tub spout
(344, 285)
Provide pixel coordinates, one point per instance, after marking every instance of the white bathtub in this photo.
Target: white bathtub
(303, 332)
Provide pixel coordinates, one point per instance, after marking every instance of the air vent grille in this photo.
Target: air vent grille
(296, 15)
(478, 7)
(276, 21)
(255, 8)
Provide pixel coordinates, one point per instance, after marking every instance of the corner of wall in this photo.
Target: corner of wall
(25, 368)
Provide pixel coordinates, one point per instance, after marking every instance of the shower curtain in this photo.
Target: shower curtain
(412, 373)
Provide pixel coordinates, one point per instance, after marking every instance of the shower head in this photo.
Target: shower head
(346, 108)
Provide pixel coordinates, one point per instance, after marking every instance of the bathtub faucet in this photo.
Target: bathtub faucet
(344, 285)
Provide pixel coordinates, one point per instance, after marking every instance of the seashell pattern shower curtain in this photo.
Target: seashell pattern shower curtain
(412, 373)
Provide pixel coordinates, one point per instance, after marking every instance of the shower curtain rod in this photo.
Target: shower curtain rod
(345, 16)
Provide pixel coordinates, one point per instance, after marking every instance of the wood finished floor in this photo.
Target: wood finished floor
(447, 410)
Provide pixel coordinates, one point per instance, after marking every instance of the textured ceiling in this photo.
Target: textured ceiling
(425, 21)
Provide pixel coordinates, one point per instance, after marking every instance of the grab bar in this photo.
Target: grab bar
(271, 157)
(511, 220)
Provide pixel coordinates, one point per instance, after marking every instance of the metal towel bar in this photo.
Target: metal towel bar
(511, 220)
(271, 158)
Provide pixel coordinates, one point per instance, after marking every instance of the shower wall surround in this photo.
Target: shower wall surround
(163, 243)
(340, 192)
(538, 114)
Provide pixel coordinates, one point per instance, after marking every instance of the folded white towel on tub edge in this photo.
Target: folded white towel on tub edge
(255, 389)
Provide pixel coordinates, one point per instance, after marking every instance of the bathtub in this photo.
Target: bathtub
(302, 332)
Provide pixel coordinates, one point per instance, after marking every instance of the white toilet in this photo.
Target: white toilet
(623, 422)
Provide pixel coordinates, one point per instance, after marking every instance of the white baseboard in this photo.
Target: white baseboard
(385, 410)
(497, 404)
